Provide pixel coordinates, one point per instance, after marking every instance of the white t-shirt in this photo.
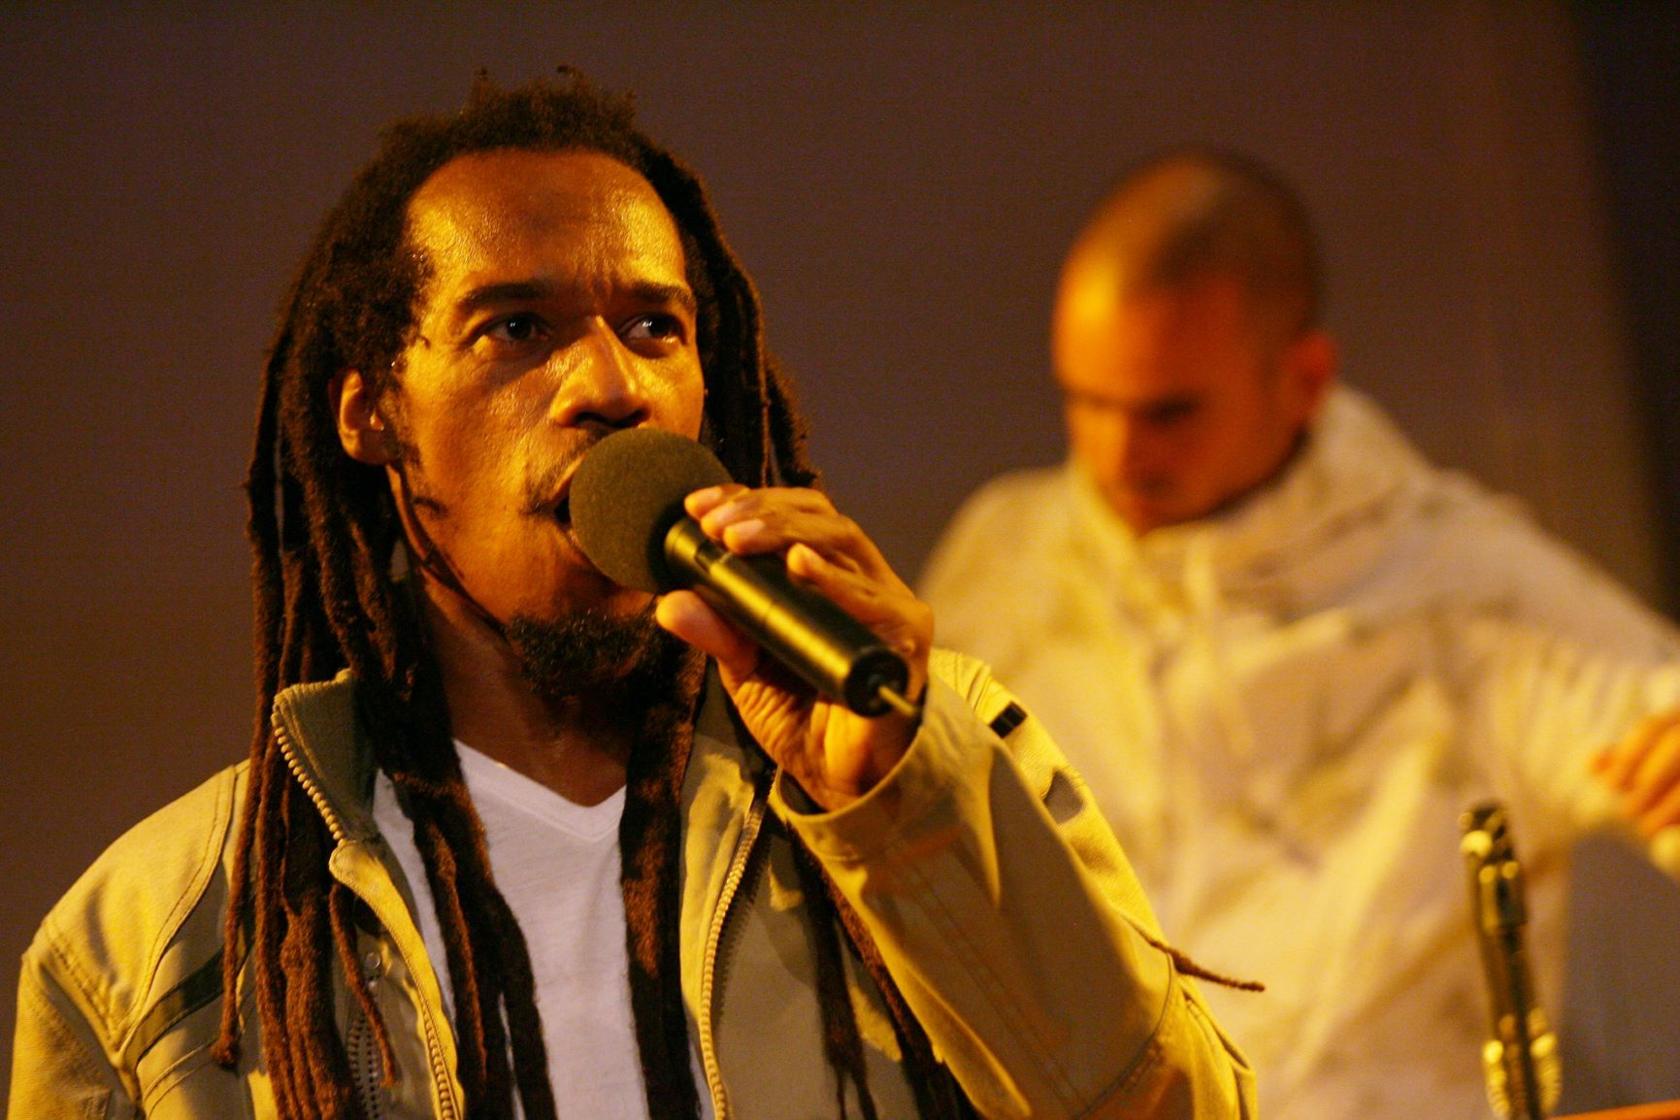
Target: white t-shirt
(557, 865)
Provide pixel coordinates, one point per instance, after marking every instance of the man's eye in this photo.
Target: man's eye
(655, 326)
(1169, 412)
(515, 328)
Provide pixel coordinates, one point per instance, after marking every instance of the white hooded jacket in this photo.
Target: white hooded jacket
(1284, 709)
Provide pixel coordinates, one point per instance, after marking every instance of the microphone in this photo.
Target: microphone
(1520, 1058)
(627, 515)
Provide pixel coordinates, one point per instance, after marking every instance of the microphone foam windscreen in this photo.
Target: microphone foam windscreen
(626, 495)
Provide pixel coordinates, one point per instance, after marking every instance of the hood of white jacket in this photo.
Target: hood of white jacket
(1346, 510)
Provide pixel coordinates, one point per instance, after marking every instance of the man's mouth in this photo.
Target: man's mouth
(553, 496)
(560, 510)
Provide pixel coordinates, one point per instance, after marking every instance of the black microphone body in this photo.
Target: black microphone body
(627, 514)
(826, 647)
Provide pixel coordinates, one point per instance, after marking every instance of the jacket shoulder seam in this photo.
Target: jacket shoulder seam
(68, 934)
(51, 1017)
(214, 844)
(65, 969)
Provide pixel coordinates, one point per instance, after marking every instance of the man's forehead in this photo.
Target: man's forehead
(1143, 348)
(1107, 284)
(487, 204)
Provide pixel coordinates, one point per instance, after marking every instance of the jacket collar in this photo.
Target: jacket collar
(329, 753)
(1351, 486)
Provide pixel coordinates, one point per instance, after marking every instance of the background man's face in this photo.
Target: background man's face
(556, 311)
(1175, 403)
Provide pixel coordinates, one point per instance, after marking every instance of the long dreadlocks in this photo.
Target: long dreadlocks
(325, 533)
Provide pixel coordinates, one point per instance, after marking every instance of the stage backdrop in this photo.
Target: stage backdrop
(900, 182)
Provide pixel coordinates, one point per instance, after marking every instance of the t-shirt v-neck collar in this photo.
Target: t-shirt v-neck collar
(488, 779)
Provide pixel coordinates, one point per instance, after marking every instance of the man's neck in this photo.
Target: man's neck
(577, 747)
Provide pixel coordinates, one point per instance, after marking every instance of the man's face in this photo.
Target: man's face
(557, 310)
(1176, 404)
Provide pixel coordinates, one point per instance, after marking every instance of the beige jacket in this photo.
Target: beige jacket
(1000, 901)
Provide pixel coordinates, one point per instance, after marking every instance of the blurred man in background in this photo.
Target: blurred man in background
(1286, 652)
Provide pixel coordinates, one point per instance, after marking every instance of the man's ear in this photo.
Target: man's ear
(361, 428)
(1312, 361)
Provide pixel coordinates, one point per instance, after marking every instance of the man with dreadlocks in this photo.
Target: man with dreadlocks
(505, 846)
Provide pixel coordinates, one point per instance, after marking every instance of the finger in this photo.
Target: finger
(687, 616)
(899, 619)
(1658, 772)
(773, 520)
(698, 504)
(1664, 848)
(769, 520)
(771, 504)
(1663, 814)
(1622, 759)
(730, 499)
(870, 601)
(740, 503)
(752, 537)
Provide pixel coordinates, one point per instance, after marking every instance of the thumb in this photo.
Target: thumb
(686, 615)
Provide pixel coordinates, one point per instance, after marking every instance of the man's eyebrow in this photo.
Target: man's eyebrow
(524, 291)
(488, 295)
(679, 294)
(1161, 405)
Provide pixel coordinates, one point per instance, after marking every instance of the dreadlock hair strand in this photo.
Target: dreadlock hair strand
(650, 843)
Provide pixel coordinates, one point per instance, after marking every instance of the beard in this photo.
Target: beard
(590, 652)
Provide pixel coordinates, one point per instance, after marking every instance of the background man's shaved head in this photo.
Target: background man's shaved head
(1190, 214)
(1185, 337)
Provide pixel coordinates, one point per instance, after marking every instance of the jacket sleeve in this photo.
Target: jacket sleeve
(59, 1067)
(1552, 699)
(1014, 926)
(123, 937)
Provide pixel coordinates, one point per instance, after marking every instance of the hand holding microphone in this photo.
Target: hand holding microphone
(777, 572)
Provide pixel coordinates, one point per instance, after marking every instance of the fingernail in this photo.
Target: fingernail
(722, 513)
(742, 531)
(700, 501)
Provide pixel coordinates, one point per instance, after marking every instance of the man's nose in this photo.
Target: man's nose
(1126, 442)
(1139, 451)
(602, 382)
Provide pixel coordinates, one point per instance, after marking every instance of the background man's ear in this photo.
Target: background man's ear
(1313, 360)
(361, 429)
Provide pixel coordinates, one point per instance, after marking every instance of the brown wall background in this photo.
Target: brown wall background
(902, 184)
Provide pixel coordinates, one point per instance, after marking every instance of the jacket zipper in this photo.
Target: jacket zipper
(364, 1067)
(288, 751)
(434, 1052)
(710, 971)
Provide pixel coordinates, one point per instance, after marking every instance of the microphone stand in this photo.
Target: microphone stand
(1520, 1059)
